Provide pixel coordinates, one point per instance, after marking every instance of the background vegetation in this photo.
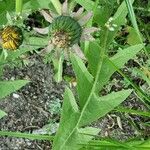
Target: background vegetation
(117, 67)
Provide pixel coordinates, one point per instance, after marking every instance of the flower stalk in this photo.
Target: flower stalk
(19, 5)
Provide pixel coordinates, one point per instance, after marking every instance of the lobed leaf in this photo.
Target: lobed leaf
(93, 56)
(84, 80)
(68, 136)
(100, 106)
(69, 118)
(126, 54)
(119, 60)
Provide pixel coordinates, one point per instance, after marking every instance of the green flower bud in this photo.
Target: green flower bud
(65, 31)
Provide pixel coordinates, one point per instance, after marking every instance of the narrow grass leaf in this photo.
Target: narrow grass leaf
(141, 93)
(133, 111)
(134, 22)
(105, 144)
(26, 135)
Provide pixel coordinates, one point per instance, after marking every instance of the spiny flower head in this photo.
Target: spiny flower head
(67, 30)
(11, 37)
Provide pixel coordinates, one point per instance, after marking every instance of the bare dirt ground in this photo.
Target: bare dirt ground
(31, 110)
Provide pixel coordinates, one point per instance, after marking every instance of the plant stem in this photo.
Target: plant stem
(57, 5)
(19, 4)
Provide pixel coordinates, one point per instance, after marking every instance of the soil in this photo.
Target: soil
(31, 110)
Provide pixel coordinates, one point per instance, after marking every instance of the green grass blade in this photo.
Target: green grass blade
(134, 22)
(133, 111)
(26, 135)
(110, 144)
(138, 90)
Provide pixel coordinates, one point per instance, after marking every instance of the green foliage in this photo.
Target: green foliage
(26, 135)
(133, 38)
(119, 19)
(134, 22)
(93, 106)
(84, 80)
(132, 111)
(87, 4)
(87, 105)
(7, 87)
(58, 65)
(5, 6)
(19, 4)
(37, 42)
(70, 117)
(108, 144)
(144, 74)
(118, 59)
(34, 4)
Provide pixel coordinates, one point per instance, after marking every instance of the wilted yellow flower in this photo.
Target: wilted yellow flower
(11, 37)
